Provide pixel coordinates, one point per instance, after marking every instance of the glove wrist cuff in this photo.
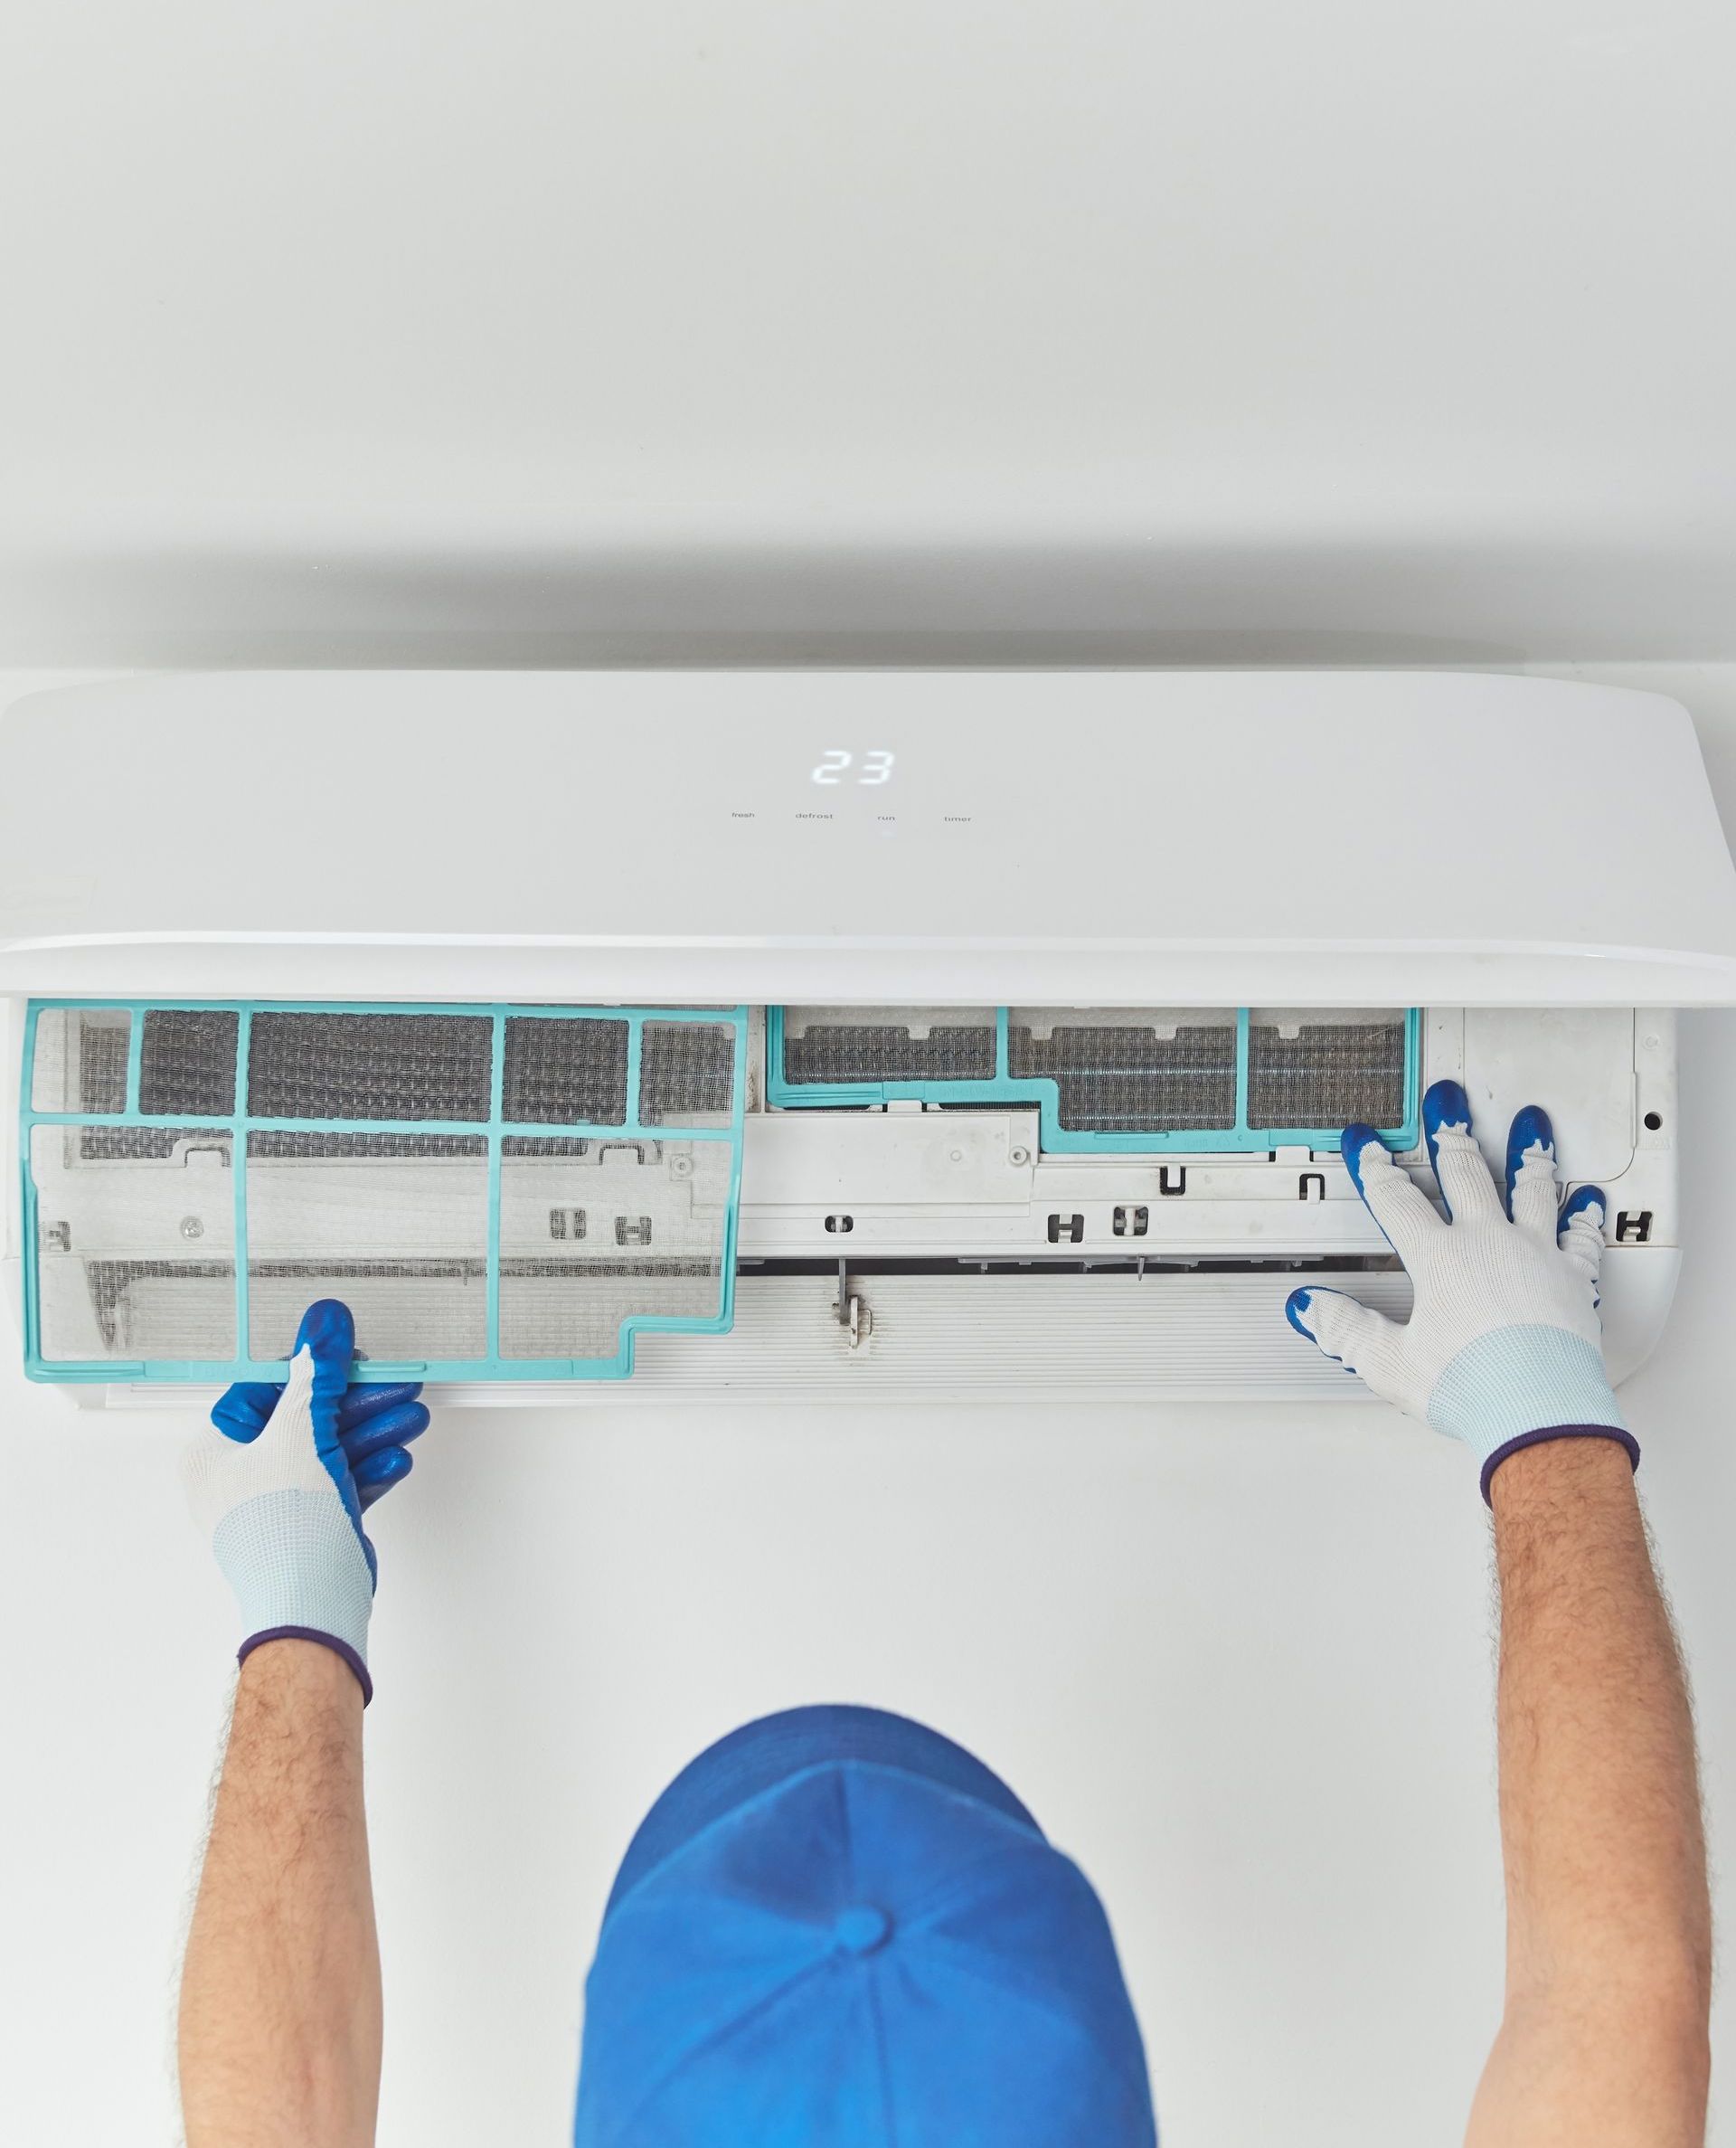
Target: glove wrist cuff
(1618, 1433)
(331, 1641)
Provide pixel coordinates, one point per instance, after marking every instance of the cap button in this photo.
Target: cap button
(861, 1928)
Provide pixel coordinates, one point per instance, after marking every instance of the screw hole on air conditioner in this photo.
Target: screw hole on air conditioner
(840, 1223)
(1653, 1121)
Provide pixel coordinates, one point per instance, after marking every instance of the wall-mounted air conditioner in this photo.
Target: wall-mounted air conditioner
(845, 1033)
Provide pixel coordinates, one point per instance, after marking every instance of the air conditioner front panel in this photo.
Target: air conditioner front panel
(1029, 839)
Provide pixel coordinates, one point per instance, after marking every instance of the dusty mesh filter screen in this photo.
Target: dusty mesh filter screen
(686, 1075)
(134, 1247)
(80, 1062)
(369, 1066)
(1130, 1076)
(888, 1044)
(574, 1070)
(395, 1225)
(1325, 1070)
(496, 1193)
(1116, 1078)
(593, 1232)
(187, 1060)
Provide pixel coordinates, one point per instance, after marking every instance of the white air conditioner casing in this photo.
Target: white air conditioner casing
(1536, 865)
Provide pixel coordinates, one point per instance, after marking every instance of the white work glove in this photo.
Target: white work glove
(1504, 1347)
(281, 1481)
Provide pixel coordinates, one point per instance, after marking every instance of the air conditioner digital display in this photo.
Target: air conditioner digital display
(838, 764)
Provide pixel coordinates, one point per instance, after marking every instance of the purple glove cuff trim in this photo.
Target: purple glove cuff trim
(1558, 1432)
(330, 1640)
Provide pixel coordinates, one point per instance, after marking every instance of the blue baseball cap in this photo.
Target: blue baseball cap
(837, 1929)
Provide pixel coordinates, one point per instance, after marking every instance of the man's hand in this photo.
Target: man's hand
(1603, 2040)
(1504, 1347)
(280, 2028)
(282, 1492)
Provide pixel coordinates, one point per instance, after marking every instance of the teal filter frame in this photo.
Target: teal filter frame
(239, 1123)
(1004, 1088)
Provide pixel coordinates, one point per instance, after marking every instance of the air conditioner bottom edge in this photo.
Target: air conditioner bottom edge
(1003, 1338)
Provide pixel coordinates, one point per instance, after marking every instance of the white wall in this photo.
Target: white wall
(555, 330)
(1239, 1664)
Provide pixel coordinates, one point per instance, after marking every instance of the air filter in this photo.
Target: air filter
(1116, 1078)
(499, 1193)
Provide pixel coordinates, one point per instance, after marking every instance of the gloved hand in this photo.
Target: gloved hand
(283, 1490)
(1504, 1347)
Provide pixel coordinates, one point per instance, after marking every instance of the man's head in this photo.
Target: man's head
(837, 1929)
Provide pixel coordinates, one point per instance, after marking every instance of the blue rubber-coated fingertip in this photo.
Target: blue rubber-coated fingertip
(364, 1401)
(328, 1324)
(240, 1413)
(1445, 1104)
(1295, 1306)
(1582, 1198)
(392, 1428)
(376, 1476)
(1353, 1140)
(1531, 1124)
(328, 1329)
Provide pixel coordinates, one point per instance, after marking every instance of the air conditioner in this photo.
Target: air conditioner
(845, 1034)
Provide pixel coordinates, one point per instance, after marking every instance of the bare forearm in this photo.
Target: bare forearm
(281, 2018)
(1608, 1934)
